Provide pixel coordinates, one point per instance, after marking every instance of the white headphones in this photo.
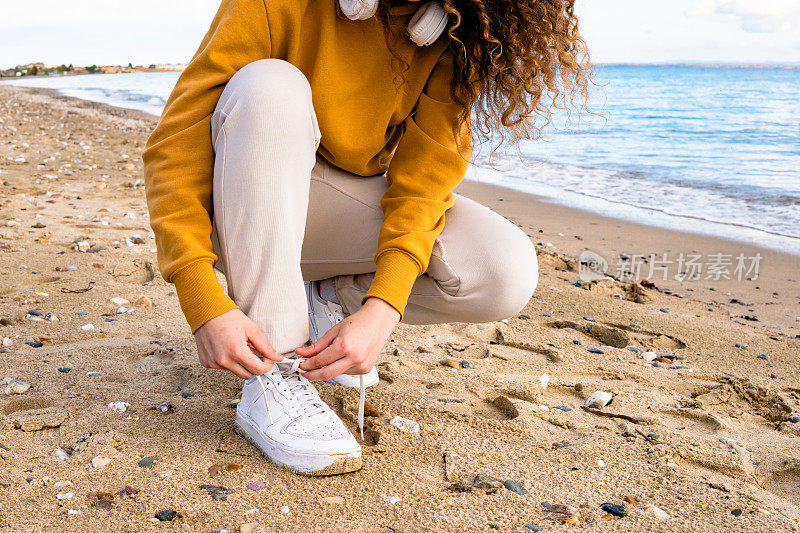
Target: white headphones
(427, 24)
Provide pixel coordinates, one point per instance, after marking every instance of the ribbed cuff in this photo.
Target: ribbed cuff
(200, 294)
(394, 277)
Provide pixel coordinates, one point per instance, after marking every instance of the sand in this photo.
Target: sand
(709, 437)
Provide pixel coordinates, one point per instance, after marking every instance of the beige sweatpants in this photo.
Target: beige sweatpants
(283, 214)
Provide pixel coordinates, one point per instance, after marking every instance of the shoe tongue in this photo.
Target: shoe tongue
(307, 401)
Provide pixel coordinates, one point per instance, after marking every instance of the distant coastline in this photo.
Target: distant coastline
(40, 70)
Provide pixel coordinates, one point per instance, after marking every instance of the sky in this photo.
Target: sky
(101, 32)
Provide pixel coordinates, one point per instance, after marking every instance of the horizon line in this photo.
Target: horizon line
(670, 63)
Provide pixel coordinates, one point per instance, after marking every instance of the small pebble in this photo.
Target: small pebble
(142, 301)
(394, 499)
(664, 310)
(100, 462)
(466, 364)
(655, 511)
(285, 509)
(64, 495)
(486, 482)
(590, 319)
(333, 500)
(514, 486)
(544, 381)
(219, 494)
(599, 399)
(257, 485)
(533, 527)
(614, 509)
(562, 408)
(14, 386)
(404, 424)
(736, 512)
(60, 454)
(64, 369)
(165, 407)
(148, 462)
(166, 515)
(119, 407)
(595, 350)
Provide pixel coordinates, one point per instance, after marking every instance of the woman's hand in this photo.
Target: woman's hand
(222, 342)
(351, 346)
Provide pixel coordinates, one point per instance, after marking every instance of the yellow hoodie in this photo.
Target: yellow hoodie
(370, 124)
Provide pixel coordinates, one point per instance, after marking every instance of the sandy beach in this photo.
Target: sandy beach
(107, 420)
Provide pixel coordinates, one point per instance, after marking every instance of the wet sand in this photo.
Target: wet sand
(704, 432)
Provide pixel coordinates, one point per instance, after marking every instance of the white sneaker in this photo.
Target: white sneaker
(281, 413)
(322, 316)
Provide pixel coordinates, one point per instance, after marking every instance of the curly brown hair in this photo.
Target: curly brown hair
(513, 62)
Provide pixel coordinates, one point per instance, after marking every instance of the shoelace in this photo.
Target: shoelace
(306, 400)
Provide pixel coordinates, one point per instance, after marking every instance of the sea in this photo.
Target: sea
(709, 150)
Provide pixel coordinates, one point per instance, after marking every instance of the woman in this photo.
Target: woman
(307, 143)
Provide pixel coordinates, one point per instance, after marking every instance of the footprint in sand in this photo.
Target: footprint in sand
(32, 414)
(621, 335)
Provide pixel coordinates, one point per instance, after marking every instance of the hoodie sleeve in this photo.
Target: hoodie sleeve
(425, 168)
(179, 159)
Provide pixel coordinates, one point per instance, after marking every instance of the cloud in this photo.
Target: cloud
(761, 16)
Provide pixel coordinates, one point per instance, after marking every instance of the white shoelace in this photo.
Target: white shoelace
(307, 402)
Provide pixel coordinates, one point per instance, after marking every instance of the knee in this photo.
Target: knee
(267, 85)
(511, 277)
(272, 97)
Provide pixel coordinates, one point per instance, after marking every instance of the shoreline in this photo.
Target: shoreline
(704, 423)
(600, 207)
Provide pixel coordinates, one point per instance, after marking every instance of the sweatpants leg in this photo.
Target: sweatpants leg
(265, 137)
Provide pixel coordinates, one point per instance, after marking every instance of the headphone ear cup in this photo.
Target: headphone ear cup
(428, 23)
(359, 9)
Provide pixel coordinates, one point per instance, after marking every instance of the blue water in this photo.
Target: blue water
(710, 150)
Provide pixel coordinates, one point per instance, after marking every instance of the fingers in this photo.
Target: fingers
(322, 343)
(253, 363)
(261, 345)
(331, 371)
(327, 356)
(237, 369)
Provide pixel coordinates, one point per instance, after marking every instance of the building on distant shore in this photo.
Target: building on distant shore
(168, 66)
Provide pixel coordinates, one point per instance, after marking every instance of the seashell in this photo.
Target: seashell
(599, 399)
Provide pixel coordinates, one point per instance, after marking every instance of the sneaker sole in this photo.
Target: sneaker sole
(313, 464)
